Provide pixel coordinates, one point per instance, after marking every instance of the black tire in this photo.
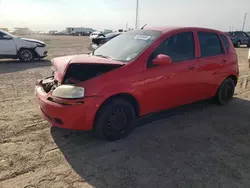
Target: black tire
(225, 92)
(248, 45)
(238, 44)
(26, 55)
(115, 120)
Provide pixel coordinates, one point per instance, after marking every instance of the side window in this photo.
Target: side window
(179, 47)
(225, 41)
(244, 34)
(239, 34)
(210, 44)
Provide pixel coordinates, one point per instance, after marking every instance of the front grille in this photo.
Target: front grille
(52, 119)
(58, 121)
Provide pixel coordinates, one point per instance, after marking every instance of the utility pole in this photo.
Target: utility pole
(137, 15)
(244, 21)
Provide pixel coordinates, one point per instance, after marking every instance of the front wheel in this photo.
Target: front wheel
(238, 44)
(225, 92)
(26, 55)
(115, 120)
(248, 45)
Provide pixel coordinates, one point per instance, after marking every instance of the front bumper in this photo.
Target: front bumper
(75, 116)
(41, 52)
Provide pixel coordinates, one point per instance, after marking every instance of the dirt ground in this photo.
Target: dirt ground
(199, 145)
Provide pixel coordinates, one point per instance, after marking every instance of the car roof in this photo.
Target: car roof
(112, 34)
(177, 28)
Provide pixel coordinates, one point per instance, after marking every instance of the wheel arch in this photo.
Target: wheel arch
(233, 77)
(33, 49)
(127, 97)
(26, 48)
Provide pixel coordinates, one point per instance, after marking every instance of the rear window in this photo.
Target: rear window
(210, 44)
(225, 41)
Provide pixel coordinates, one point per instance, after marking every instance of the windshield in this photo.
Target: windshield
(127, 46)
(6, 33)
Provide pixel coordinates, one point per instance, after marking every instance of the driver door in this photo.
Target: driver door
(171, 85)
(7, 45)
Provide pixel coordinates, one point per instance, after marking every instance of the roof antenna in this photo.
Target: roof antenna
(143, 26)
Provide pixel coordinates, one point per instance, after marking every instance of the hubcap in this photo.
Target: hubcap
(117, 122)
(26, 55)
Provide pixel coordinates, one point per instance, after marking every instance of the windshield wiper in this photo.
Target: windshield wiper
(104, 56)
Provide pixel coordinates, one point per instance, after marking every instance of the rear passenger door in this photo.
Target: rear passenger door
(211, 61)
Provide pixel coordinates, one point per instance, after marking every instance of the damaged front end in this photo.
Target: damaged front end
(82, 72)
(48, 84)
(76, 73)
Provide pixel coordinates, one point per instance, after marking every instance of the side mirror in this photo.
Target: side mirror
(162, 59)
(7, 37)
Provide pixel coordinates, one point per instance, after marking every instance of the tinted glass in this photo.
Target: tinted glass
(179, 47)
(244, 34)
(225, 42)
(210, 44)
(127, 46)
(239, 34)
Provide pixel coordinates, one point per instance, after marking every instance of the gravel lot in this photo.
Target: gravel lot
(199, 145)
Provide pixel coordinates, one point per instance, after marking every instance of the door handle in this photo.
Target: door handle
(190, 67)
(224, 61)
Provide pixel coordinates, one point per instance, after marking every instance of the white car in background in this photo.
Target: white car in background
(94, 34)
(25, 49)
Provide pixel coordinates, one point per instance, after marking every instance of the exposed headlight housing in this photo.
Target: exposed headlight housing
(69, 92)
(40, 44)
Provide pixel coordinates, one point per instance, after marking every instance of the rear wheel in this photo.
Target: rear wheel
(225, 92)
(26, 55)
(248, 45)
(115, 120)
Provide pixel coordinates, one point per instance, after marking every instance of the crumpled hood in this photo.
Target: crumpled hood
(60, 64)
(33, 40)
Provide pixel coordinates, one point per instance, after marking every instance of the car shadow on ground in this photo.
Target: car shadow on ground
(200, 145)
(10, 66)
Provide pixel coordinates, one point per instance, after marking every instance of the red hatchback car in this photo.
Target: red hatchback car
(137, 73)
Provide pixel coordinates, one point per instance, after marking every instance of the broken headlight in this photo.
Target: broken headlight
(69, 92)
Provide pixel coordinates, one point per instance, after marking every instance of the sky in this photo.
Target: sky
(113, 14)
